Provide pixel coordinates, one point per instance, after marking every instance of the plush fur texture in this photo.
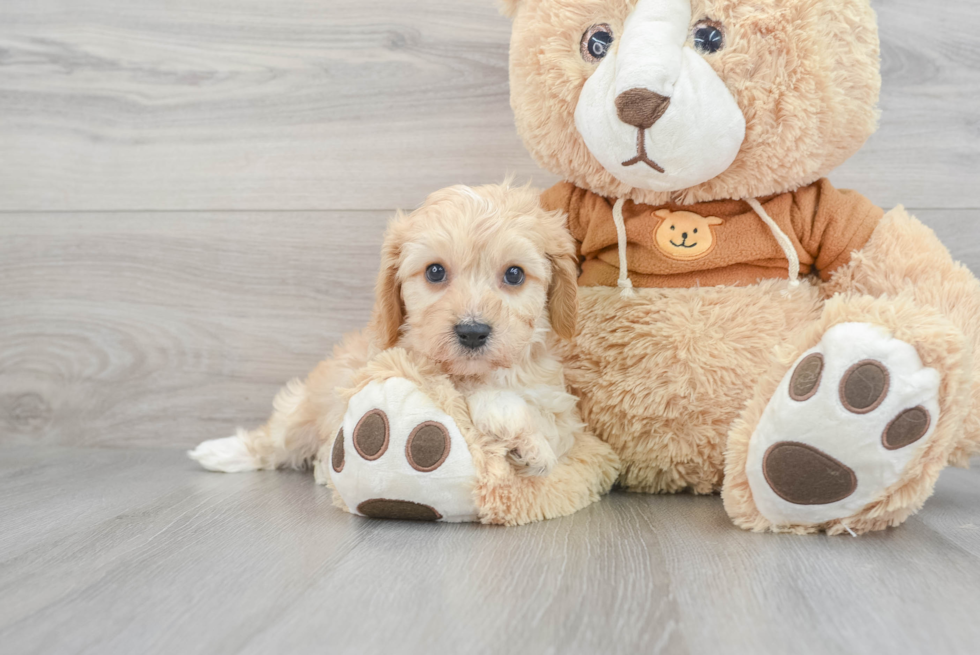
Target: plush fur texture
(534, 456)
(905, 281)
(664, 373)
(676, 380)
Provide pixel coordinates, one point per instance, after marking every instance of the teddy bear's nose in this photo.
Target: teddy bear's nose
(641, 108)
(684, 236)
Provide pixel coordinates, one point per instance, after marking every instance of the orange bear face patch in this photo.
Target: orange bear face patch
(685, 236)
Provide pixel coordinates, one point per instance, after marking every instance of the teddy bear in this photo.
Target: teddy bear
(744, 326)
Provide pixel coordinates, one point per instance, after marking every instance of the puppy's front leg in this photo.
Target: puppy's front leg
(507, 417)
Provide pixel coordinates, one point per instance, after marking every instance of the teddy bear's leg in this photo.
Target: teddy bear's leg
(850, 430)
(905, 259)
(407, 450)
(857, 430)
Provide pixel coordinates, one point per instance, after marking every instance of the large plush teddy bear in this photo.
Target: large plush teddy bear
(745, 326)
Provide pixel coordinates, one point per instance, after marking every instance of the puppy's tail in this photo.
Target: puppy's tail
(228, 455)
(288, 440)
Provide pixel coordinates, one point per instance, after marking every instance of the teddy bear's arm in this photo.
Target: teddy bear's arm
(833, 224)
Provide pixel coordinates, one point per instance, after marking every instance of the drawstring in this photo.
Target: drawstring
(782, 239)
(625, 283)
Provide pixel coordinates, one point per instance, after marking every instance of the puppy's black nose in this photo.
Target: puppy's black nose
(473, 335)
(684, 236)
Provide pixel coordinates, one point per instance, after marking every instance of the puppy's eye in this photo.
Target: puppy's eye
(435, 273)
(708, 37)
(514, 276)
(672, 227)
(695, 230)
(596, 43)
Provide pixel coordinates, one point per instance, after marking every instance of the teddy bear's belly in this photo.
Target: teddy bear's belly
(664, 374)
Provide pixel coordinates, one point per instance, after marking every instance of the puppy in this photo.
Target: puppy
(479, 282)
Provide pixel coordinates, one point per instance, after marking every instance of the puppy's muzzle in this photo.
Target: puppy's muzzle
(473, 336)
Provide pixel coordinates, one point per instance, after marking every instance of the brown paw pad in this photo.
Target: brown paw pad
(806, 378)
(428, 446)
(399, 510)
(802, 475)
(910, 426)
(864, 387)
(337, 453)
(371, 435)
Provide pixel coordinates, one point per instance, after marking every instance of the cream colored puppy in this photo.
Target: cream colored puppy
(477, 282)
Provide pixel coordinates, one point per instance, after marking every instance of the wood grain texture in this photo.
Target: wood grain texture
(159, 328)
(322, 104)
(122, 551)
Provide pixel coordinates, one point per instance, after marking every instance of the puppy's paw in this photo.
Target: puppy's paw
(228, 455)
(508, 418)
(500, 414)
(533, 457)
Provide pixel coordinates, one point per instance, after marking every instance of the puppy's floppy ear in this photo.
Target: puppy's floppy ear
(389, 310)
(563, 292)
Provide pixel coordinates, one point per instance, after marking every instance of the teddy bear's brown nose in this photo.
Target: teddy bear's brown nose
(641, 108)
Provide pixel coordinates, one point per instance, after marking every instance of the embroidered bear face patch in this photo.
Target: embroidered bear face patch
(685, 236)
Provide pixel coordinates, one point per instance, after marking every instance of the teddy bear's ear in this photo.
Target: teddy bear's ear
(508, 7)
(662, 213)
(714, 220)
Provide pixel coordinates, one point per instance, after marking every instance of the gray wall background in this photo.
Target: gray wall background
(192, 193)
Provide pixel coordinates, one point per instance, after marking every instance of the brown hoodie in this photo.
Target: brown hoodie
(716, 243)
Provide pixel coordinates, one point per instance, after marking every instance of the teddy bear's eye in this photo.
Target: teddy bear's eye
(596, 42)
(695, 230)
(708, 37)
(673, 227)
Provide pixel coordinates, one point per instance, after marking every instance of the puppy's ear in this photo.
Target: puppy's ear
(563, 294)
(389, 310)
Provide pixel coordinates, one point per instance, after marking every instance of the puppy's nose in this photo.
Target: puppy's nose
(473, 335)
(684, 236)
(641, 108)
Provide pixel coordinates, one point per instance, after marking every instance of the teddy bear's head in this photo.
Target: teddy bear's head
(693, 100)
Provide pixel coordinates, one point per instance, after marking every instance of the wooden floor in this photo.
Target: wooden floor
(137, 551)
(192, 196)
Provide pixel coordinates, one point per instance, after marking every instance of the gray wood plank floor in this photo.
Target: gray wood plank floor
(123, 551)
(192, 196)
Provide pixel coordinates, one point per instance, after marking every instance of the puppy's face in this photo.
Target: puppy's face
(479, 276)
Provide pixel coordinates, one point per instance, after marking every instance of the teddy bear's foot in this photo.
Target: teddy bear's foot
(844, 426)
(398, 456)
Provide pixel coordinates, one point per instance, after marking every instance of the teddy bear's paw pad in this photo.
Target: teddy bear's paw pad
(398, 456)
(843, 427)
(404, 510)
